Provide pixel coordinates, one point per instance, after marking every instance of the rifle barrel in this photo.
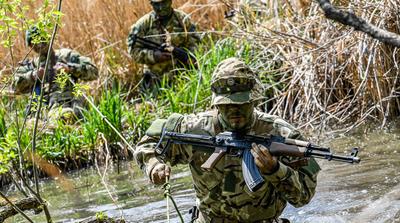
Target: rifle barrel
(330, 156)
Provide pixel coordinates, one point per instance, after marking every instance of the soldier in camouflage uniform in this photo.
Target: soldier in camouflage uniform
(222, 195)
(60, 99)
(164, 25)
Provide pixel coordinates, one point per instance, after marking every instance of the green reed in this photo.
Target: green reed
(131, 118)
(112, 107)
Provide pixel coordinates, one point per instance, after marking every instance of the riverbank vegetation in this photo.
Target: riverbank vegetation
(317, 73)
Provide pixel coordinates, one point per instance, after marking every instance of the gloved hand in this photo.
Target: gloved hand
(264, 160)
(39, 73)
(63, 67)
(160, 56)
(159, 173)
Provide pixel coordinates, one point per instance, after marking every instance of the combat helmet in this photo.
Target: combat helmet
(234, 82)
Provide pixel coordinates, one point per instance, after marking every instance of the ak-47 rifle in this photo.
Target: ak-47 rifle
(180, 54)
(240, 145)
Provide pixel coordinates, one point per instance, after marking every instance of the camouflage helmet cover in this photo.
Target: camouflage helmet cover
(233, 82)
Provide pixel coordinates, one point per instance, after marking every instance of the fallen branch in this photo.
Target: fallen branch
(350, 19)
(9, 209)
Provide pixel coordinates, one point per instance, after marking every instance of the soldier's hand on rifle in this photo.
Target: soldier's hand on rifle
(264, 160)
(39, 73)
(62, 67)
(160, 56)
(159, 173)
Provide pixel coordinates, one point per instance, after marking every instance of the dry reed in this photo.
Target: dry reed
(331, 74)
(99, 29)
(323, 73)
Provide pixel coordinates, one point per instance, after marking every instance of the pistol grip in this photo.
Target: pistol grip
(214, 158)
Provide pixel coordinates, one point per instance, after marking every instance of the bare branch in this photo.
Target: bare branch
(350, 19)
(35, 174)
(10, 209)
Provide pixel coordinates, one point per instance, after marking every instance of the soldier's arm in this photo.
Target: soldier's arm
(24, 79)
(297, 186)
(193, 37)
(81, 67)
(139, 53)
(145, 154)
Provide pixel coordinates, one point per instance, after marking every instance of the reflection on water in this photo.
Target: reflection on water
(368, 192)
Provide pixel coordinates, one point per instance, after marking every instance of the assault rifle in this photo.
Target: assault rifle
(180, 54)
(239, 145)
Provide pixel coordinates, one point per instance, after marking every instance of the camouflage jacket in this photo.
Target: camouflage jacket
(83, 69)
(178, 32)
(222, 192)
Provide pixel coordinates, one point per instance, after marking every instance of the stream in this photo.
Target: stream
(367, 192)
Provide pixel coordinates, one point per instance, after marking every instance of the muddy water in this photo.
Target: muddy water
(368, 192)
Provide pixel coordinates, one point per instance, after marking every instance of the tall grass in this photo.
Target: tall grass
(64, 142)
(112, 107)
(11, 118)
(325, 74)
(321, 72)
(74, 142)
(100, 34)
(99, 29)
(181, 95)
(317, 73)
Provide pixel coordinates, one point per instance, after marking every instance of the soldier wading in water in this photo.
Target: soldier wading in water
(222, 195)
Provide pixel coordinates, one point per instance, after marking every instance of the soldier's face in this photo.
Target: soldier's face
(236, 117)
(163, 8)
(40, 48)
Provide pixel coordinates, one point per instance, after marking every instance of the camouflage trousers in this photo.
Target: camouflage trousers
(68, 112)
(202, 218)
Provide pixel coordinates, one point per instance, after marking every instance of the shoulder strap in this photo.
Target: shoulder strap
(169, 124)
(216, 123)
(173, 121)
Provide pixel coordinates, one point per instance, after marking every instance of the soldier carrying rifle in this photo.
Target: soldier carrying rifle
(221, 191)
(29, 75)
(159, 40)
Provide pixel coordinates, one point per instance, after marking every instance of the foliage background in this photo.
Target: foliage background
(318, 74)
